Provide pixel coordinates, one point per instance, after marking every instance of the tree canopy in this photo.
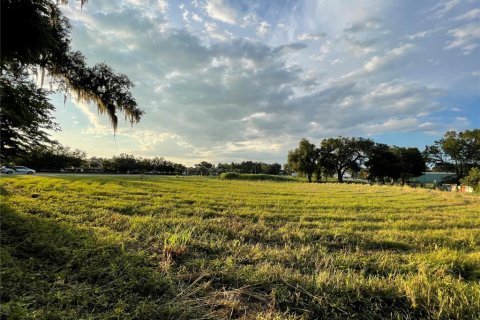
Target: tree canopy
(25, 114)
(473, 178)
(455, 151)
(383, 164)
(304, 159)
(344, 154)
(35, 39)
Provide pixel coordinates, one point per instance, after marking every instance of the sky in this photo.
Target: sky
(236, 80)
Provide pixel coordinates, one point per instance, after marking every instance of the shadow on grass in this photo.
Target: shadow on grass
(52, 270)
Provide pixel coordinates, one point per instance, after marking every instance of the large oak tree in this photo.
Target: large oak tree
(35, 40)
(344, 154)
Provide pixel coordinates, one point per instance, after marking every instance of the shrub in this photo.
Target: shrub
(473, 178)
(230, 176)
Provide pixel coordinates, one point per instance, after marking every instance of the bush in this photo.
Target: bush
(473, 178)
(229, 176)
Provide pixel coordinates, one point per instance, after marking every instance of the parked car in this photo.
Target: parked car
(22, 169)
(7, 170)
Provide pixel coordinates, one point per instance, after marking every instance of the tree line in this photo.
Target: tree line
(457, 152)
(56, 157)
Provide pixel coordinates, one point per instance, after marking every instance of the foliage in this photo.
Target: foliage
(25, 115)
(125, 163)
(36, 39)
(344, 154)
(304, 159)
(204, 168)
(394, 163)
(411, 162)
(187, 248)
(383, 164)
(473, 178)
(459, 151)
(250, 167)
(230, 176)
(254, 177)
(54, 157)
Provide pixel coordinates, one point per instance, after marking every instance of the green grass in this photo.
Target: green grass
(190, 247)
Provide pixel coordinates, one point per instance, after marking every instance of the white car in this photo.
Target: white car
(7, 170)
(24, 170)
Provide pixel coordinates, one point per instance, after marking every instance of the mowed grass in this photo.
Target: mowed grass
(201, 248)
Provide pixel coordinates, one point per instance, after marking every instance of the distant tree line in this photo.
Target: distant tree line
(250, 167)
(56, 157)
(125, 163)
(356, 156)
(207, 168)
(60, 158)
(52, 158)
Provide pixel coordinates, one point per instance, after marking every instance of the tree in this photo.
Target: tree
(287, 169)
(25, 114)
(342, 154)
(53, 158)
(304, 159)
(383, 163)
(35, 38)
(125, 163)
(204, 168)
(473, 178)
(394, 163)
(455, 151)
(412, 163)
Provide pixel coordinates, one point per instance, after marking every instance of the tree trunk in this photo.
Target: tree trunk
(309, 176)
(340, 176)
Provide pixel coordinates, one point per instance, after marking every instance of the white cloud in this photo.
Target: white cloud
(466, 38)
(444, 7)
(363, 25)
(362, 36)
(420, 35)
(212, 31)
(197, 18)
(396, 125)
(336, 61)
(323, 51)
(263, 28)
(390, 58)
(185, 14)
(162, 5)
(221, 11)
(306, 36)
(470, 15)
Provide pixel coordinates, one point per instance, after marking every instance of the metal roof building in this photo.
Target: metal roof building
(433, 177)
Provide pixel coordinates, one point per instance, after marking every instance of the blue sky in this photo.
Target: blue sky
(246, 80)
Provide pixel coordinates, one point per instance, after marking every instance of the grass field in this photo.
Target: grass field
(200, 248)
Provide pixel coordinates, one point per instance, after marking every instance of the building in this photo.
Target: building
(434, 177)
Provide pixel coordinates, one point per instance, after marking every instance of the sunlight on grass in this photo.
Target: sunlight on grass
(188, 247)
